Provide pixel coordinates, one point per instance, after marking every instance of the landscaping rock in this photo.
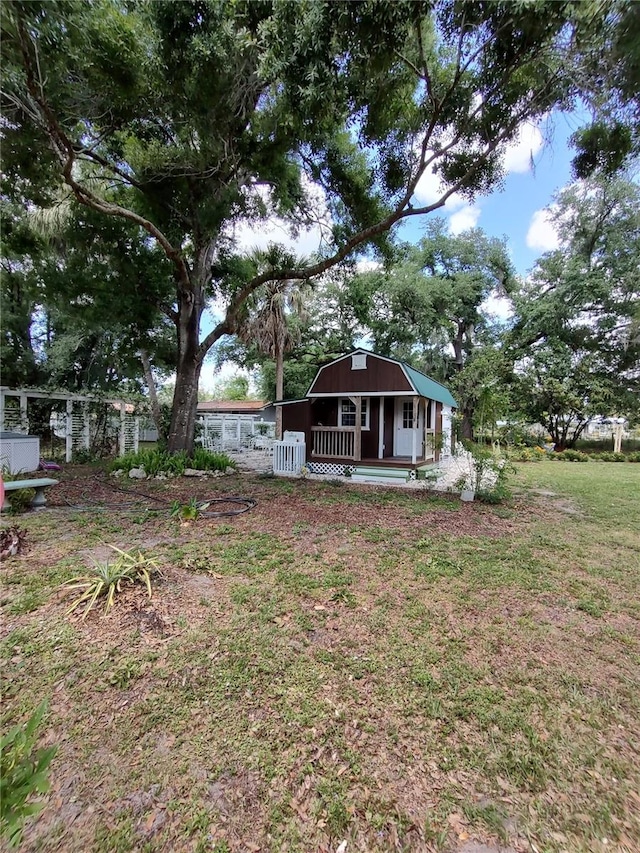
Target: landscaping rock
(117, 473)
(230, 470)
(194, 472)
(137, 474)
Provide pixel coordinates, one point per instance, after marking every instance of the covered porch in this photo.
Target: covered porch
(399, 430)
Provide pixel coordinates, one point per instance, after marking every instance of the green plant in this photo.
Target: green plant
(157, 461)
(570, 456)
(19, 499)
(189, 511)
(609, 456)
(482, 472)
(105, 579)
(23, 774)
(83, 456)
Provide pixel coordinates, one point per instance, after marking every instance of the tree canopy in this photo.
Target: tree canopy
(576, 340)
(185, 118)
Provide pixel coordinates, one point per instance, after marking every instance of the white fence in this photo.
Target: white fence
(235, 432)
(288, 458)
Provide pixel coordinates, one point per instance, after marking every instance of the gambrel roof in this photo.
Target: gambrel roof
(375, 375)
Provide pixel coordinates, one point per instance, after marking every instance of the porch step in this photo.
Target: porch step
(364, 474)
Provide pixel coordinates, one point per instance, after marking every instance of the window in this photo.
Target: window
(359, 361)
(407, 414)
(347, 413)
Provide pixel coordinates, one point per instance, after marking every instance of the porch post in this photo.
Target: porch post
(414, 431)
(123, 433)
(68, 432)
(86, 426)
(427, 449)
(357, 439)
(381, 429)
(24, 415)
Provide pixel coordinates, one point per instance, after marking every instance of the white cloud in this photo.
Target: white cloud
(464, 219)
(210, 376)
(542, 233)
(367, 265)
(523, 149)
(498, 306)
(258, 234)
(462, 214)
(430, 189)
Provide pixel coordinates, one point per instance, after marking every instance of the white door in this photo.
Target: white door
(404, 428)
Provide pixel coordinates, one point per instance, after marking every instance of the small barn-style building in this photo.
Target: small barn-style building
(367, 409)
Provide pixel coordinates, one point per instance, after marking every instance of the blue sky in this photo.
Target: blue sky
(537, 165)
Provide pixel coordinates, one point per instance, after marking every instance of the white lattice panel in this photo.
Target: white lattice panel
(130, 433)
(78, 432)
(20, 454)
(13, 421)
(329, 468)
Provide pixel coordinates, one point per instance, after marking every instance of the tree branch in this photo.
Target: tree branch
(64, 149)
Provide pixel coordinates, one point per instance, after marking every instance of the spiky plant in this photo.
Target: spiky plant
(105, 579)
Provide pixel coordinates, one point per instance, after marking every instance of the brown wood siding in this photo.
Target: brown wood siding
(389, 415)
(380, 376)
(370, 436)
(297, 418)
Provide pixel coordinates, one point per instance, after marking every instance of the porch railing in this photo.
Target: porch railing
(333, 442)
(430, 444)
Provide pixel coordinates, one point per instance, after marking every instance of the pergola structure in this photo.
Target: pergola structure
(14, 416)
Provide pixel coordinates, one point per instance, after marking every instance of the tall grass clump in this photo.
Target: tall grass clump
(157, 462)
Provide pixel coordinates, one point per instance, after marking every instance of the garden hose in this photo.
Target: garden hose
(241, 504)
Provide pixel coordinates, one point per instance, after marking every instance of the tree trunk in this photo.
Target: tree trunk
(466, 428)
(156, 414)
(279, 390)
(185, 405)
(185, 398)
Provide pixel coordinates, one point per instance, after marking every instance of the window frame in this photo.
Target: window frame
(365, 413)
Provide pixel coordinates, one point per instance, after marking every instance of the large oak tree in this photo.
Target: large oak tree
(186, 117)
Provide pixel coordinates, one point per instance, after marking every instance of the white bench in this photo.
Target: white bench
(39, 499)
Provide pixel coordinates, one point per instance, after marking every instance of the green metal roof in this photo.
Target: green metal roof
(429, 387)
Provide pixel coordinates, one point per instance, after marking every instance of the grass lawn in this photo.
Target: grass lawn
(385, 667)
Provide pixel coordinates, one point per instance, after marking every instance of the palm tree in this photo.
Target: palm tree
(268, 326)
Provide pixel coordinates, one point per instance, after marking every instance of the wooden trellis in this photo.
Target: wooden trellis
(78, 424)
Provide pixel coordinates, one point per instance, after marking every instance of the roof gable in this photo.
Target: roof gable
(365, 372)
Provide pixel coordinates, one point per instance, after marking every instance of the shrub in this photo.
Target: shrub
(19, 499)
(483, 472)
(207, 460)
(528, 454)
(609, 456)
(157, 462)
(106, 579)
(633, 457)
(570, 456)
(23, 773)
